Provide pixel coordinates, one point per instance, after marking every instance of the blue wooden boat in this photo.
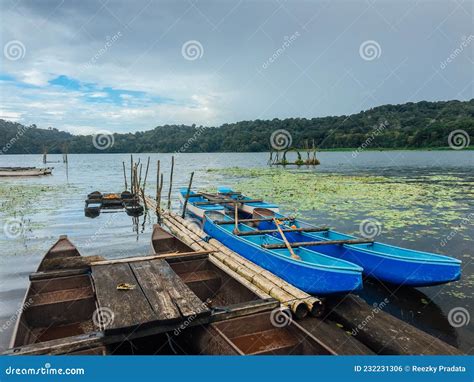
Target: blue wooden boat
(195, 208)
(247, 208)
(314, 272)
(384, 262)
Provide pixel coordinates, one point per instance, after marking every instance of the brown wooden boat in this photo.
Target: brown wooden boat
(59, 303)
(25, 171)
(177, 297)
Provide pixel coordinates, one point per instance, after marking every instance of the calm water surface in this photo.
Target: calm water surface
(55, 206)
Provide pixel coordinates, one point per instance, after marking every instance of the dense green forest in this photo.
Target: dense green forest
(410, 125)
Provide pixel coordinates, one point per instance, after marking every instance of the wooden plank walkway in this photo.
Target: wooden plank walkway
(158, 297)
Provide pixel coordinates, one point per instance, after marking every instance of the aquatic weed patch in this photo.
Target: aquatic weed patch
(429, 202)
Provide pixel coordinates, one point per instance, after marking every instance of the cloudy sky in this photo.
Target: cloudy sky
(84, 66)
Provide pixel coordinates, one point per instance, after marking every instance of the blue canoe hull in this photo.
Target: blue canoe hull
(395, 266)
(309, 279)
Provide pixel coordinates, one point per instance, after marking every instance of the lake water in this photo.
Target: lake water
(53, 205)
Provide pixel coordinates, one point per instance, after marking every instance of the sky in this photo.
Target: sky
(126, 66)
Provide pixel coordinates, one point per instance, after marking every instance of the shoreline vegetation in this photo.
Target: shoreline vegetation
(410, 126)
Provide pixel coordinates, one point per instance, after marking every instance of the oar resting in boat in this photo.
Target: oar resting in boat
(385, 262)
(313, 272)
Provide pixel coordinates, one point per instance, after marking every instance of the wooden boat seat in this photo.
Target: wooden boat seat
(272, 341)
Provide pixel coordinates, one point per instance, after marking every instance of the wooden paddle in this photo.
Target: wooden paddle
(293, 254)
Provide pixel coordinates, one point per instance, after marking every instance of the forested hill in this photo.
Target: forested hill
(410, 125)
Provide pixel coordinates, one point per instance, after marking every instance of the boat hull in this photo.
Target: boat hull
(310, 279)
(415, 272)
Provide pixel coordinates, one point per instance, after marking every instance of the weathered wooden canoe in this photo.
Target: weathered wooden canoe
(267, 333)
(25, 171)
(58, 303)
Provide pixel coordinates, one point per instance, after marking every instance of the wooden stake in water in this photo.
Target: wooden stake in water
(146, 174)
(131, 173)
(171, 182)
(125, 176)
(187, 195)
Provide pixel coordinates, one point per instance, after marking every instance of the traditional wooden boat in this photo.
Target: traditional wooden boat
(59, 302)
(384, 262)
(267, 333)
(306, 269)
(198, 204)
(25, 171)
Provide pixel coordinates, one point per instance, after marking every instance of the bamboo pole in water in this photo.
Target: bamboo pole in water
(125, 176)
(183, 215)
(171, 182)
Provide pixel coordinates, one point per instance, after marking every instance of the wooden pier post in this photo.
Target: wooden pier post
(125, 176)
(171, 182)
(183, 215)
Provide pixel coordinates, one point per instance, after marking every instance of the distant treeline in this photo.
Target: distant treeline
(410, 125)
